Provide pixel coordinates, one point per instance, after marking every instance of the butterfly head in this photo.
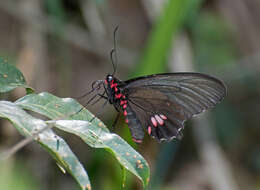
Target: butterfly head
(109, 79)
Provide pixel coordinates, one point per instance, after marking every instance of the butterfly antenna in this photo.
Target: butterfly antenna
(113, 53)
(112, 61)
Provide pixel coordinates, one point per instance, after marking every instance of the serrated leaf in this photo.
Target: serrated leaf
(11, 77)
(28, 126)
(94, 133)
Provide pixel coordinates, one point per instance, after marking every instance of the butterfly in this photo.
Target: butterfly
(159, 103)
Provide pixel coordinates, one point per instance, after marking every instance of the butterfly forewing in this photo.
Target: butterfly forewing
(163, 102)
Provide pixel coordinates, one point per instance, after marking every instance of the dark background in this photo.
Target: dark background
(62, 46)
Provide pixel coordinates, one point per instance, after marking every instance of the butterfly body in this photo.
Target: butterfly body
(161, 103)
(117, 95)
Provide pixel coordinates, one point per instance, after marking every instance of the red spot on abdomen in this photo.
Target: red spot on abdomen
(118, 96)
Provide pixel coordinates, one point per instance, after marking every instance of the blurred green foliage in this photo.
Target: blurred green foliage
(56, 9)
(161, 37)
(211, 40)
(14, 175)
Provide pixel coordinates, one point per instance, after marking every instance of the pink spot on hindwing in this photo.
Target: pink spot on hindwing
(160, 121)
(126, 120)
(149, 130)
(125, 113)
(153, 120)
(124, 106)
(163, 116)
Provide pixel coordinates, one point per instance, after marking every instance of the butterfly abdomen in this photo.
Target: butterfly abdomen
(134, 124)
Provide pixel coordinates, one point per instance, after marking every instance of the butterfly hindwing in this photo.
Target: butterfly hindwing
(158, 119)
(161, 103)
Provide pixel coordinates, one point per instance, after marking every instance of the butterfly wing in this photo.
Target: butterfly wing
(162, 103)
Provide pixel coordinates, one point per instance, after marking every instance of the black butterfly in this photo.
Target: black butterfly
(160, 103)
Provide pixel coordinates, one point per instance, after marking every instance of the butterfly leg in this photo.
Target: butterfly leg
(100, 97)
(91, 99)
(109, 95)
(96, 85)
(84, 106)
(100, 111)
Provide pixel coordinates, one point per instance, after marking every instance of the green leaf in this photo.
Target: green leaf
(28, 126)
(57, 108)
(94, 133)
(10, 77)
(97, 138)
